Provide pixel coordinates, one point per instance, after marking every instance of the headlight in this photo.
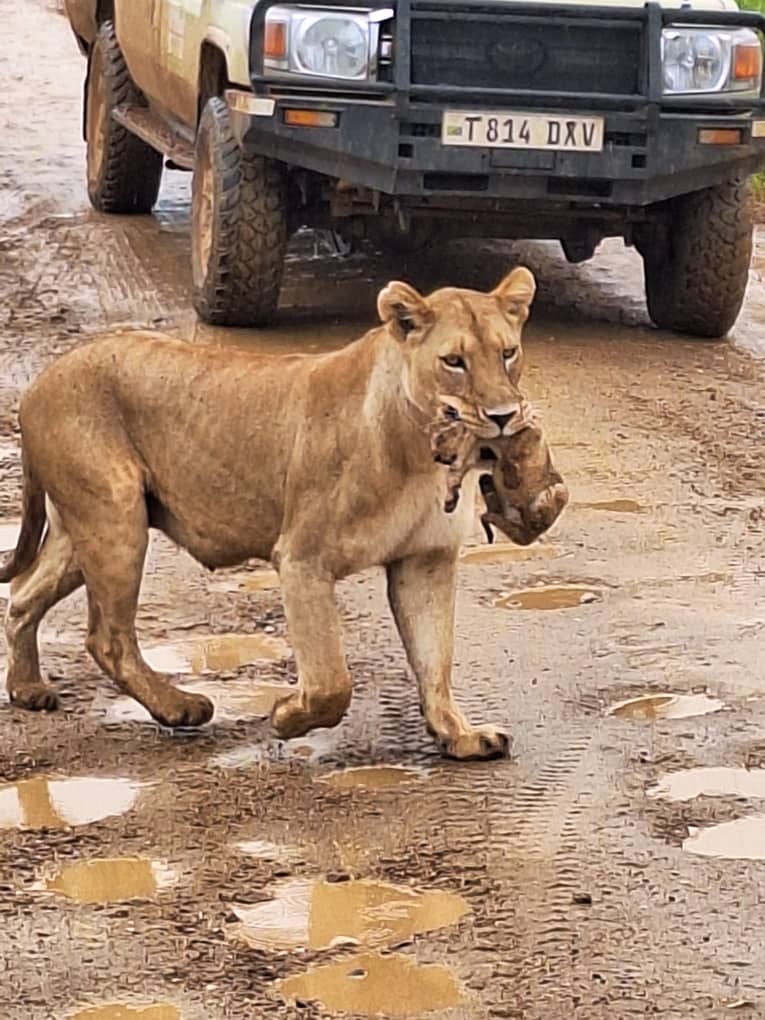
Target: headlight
(711, 60)
(325, 43)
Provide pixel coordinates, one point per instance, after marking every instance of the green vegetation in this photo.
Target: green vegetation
(759, 179)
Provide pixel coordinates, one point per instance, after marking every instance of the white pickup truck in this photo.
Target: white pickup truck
(412, 121)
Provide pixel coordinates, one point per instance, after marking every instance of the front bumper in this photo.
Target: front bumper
(644, 159)
(388, 134)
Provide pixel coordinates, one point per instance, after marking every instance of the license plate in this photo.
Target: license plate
(504, 130)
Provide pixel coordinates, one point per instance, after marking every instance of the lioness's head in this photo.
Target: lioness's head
(462, 349)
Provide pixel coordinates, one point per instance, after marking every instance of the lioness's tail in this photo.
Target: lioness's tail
(32, 524)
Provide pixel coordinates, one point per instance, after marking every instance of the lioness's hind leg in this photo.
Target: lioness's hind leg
(110, 545)
(52, 577)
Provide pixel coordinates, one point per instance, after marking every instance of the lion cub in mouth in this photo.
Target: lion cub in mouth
(524, 494)
(321, 464)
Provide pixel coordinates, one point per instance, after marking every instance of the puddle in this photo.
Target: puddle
(222, 653)
(121, 1011)
(9, 533)
(615, 506)
(319, 915)
(309, 749)
(373, 777)
(374, 985)
(233, 700)
(259, 580)
(42, 803)
(710, 782)
(244, 757)
(650, 707)
(740, 840)
(110, 880)
(549, 598)
(506, 552)
(265, 851)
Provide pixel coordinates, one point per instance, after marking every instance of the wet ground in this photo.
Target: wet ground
(613, 869)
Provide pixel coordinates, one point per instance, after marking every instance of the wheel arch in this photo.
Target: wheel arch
(101, 11)
(213, 75)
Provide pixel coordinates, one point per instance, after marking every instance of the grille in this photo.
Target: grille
(516, 53)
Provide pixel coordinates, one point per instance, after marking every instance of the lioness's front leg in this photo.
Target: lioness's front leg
(422, 590)
(313, 624)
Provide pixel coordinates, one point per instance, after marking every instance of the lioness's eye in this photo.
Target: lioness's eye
(510, 354)
(454, 361)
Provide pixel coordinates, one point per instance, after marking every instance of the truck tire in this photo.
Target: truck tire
(239, 232)
(124, 173)
(696, 278)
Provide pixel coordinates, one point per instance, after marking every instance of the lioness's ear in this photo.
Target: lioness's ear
(403, 309)
(516, 292)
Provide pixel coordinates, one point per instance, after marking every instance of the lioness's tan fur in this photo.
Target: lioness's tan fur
(320, 463)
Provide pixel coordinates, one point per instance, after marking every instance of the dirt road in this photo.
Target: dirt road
(612, 870)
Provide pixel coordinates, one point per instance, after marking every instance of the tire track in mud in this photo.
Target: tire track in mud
(514, 833)
(53, 297)
(539, 838)
(522, 846)
(511, 836)
(79, 278)
(127, 290)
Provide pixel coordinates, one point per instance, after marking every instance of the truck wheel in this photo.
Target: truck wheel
(124, 173)
(238, 226)
(696, 277)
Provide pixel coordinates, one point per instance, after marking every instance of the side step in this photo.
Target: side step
(142, 122)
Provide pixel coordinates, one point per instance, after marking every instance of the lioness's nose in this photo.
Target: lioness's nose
(502, 419)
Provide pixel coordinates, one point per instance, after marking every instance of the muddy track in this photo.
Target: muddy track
(581, 898)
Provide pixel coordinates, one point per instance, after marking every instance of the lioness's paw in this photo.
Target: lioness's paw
(184, 710)
(289, 719)
(292, 717)
(37, 697)
(479, 744)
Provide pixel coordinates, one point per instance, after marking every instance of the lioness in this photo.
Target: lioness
(320, 463)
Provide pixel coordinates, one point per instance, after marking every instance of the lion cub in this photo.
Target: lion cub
(524, 494)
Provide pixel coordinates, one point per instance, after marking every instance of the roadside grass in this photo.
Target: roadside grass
(758, 181)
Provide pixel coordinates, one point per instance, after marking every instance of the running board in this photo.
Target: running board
(141, 122)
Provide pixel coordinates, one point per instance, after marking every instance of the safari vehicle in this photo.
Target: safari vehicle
(411, 121)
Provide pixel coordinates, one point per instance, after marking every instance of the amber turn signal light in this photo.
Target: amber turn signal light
(719, 136)
(275, 41)
(747, 62)
(310, 118)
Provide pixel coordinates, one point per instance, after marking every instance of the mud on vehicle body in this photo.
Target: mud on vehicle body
(419, 120)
